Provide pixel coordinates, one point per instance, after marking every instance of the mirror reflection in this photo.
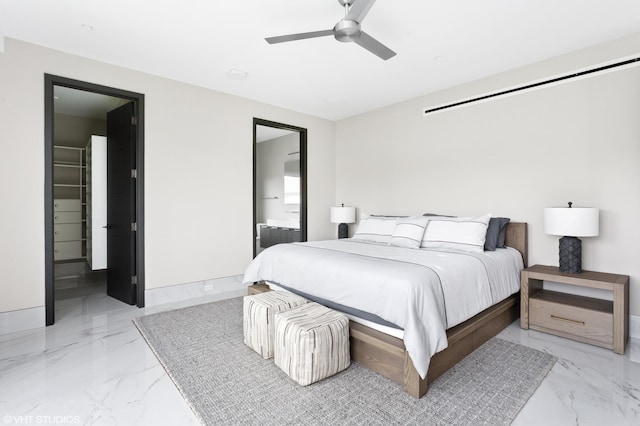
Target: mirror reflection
(278, 186)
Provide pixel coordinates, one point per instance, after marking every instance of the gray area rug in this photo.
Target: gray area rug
(225, 382)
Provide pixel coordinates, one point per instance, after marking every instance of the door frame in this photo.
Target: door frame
(302, 132)
(138, 99)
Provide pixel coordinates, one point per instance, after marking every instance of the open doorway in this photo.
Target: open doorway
(93, 193)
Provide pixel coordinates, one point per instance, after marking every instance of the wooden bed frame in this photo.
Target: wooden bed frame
(387, 355)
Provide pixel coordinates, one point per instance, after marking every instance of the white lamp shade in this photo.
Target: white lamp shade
(572, 222)
(343, 214)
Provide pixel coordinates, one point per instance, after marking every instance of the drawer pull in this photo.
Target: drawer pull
(567, 320)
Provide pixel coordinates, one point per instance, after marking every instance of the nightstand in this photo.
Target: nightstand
(586, 319)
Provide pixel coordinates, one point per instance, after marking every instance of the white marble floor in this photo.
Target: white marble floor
(588, 385)
(93, 367)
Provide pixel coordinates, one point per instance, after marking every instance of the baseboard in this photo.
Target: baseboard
(634, 326)
(179, 292)
(27, 319)
(21, 320)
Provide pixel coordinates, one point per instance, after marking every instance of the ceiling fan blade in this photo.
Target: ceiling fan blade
(300, 36)
(374, 46)
(358, 10)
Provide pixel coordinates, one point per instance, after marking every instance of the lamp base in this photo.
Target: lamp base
(570, 255)
(343, 230)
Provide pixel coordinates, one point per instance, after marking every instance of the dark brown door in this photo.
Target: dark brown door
(121, 196)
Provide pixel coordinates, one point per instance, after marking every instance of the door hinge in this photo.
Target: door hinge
(134, 226)
(134, 120)
(134, 279)
(134, 173)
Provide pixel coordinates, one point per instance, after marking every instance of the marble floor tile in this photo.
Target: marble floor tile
(93, 367)
(588, 385)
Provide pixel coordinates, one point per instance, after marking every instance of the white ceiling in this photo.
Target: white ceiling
(83, 104)
(438, 43)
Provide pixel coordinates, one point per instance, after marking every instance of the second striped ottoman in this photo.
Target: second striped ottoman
(311, 343)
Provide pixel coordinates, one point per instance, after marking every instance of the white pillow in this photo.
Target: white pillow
(376, 229)
(408, 232)
(457, 233)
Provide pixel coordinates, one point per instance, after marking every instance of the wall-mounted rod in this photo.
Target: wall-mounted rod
(532, 85)
(268, 198)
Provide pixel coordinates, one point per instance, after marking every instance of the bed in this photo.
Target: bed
(429, 341)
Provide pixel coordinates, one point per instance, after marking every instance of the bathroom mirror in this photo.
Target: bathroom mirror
(279, 191)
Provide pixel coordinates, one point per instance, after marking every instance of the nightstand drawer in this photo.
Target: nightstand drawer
(585, 324)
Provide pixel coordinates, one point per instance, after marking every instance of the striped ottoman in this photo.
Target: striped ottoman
(311, 343)
(257, 319)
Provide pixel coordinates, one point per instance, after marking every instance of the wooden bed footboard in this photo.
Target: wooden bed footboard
(387, 355)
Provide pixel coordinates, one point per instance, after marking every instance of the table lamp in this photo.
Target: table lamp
(571, 223)
(343, 215)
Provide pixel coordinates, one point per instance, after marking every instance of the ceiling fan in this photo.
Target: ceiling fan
(346, 30)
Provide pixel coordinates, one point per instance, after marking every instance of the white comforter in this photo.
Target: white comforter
(422, 291)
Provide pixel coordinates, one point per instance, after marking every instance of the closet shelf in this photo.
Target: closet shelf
(69, 189)
(67, 164)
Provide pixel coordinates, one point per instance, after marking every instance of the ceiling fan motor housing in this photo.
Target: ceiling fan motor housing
(346, 30)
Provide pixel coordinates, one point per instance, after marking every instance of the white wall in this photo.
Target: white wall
(513, 156)
(198, 165)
